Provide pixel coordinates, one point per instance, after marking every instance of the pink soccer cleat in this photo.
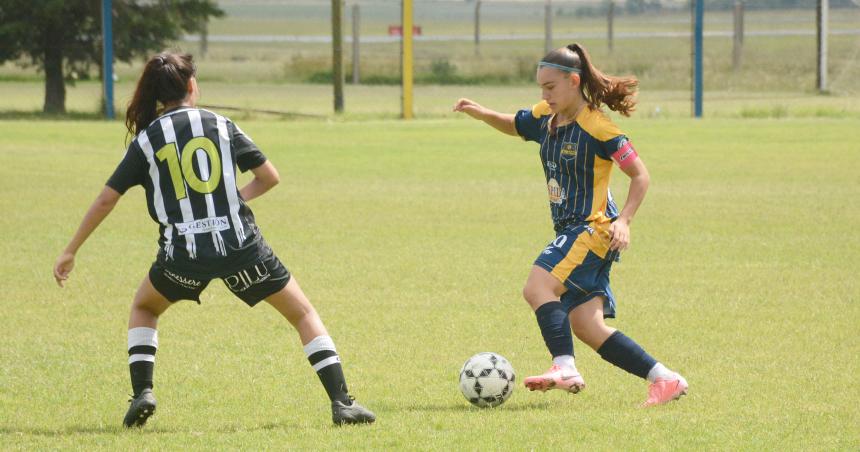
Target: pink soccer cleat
(665, 390)
(556, 377)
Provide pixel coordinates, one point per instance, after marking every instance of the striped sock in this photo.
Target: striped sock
(325, 361)
(142, 344)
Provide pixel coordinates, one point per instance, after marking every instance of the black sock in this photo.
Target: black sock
(142, 345)
(555, 328)
(141, 376)
(621, 351)
(326, 362)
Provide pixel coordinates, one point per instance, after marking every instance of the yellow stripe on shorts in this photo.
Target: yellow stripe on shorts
(574, 257)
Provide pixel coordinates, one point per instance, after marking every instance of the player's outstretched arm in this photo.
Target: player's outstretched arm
(502, 122)
(97, 212)
(265, 177)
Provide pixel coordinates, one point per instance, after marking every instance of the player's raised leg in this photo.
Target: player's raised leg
(319, 347)
(618, 349)
(542, 292)
(147, 306)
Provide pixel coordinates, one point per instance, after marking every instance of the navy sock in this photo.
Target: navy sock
(555, 328)
(621, 351)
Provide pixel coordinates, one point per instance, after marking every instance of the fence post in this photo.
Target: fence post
(337, 53)
(821, 79)
(548, 26)
(477, 27)
(610, 16)
(737, 42)
(356, 77)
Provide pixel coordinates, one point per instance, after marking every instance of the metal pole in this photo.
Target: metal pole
(699, 15)
(548, 26)
(107, 57)
(204, 38)
(610, 16)
(355, 45)
(737, 42)
(337, 53)
(477, 27)
(821, 79)
(406, 58)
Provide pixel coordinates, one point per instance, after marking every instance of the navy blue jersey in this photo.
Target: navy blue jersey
(186, 161)
(577, 161)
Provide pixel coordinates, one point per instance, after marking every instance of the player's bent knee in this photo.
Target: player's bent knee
(536, 296)
(591, 333)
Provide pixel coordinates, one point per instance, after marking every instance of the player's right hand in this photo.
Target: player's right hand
(64, 265)
(469, 107)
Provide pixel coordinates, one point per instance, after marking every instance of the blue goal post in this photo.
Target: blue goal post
(698, 19)
(107, 57)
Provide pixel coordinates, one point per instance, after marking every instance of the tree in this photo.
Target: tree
(64, 36)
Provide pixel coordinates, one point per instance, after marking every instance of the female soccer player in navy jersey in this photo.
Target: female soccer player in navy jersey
(569, 283)
(185, 158)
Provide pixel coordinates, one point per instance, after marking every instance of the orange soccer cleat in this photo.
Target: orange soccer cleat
(665, 390)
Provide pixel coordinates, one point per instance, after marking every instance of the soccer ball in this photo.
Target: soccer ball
(487, 380)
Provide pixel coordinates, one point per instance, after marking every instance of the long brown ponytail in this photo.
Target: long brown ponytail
(617, 93)
(165, 79)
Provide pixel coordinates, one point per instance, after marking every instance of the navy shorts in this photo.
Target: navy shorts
(581, 260)
(251, 284)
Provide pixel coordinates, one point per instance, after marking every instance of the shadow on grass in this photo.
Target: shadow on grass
(150, 430)
(244, 113)
(30, 115)
(463, 408)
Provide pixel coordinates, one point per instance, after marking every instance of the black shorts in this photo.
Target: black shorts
(252, 284)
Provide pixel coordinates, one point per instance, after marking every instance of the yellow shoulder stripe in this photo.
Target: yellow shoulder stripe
(541, 109)
(597, 124)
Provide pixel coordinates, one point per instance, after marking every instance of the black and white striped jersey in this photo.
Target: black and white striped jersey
(186, 161)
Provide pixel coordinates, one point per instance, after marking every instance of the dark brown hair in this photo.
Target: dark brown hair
(617, 93)
(165, 79)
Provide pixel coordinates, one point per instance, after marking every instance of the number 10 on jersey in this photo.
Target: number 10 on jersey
(182, 169)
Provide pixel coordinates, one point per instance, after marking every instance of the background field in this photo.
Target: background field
(263, 54)
(413, 240)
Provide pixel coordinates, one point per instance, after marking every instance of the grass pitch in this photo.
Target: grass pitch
(413, 241)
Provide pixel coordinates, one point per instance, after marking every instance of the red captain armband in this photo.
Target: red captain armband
(625, 155)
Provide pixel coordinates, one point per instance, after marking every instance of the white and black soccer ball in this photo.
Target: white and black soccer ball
(487, 380)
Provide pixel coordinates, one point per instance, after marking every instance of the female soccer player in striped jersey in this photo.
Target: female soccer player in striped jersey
(186, 158)
(569, 283)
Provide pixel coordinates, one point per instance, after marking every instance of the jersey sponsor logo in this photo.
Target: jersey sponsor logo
(552, 166)
(568, 149)
(244, 279)
(188, 283)
(557, 195)
(203, 225)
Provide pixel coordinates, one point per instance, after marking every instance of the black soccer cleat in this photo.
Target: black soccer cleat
(353, 413)
(142, 407)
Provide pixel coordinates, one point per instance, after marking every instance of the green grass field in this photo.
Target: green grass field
(413, 239)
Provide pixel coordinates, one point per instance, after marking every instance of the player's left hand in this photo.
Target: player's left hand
(619, 233)
(64, 265)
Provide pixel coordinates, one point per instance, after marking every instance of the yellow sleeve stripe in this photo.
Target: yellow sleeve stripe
(541, 109)
(597, 124)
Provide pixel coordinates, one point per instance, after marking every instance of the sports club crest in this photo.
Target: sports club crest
(568, 149)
